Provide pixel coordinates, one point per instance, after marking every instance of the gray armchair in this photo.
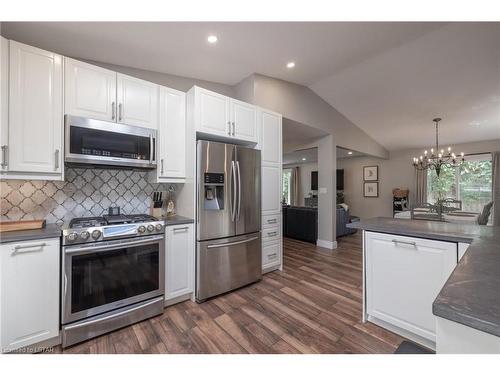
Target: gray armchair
(343, 218)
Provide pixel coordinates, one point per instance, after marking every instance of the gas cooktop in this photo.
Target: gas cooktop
(110, 227)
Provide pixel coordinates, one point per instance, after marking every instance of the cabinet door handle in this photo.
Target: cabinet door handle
(56, 162)
(411, 243)
(272, 256)
(162, 167)
(271, 234)
(180, 229)
(113, 110)
(233, 128)
(272, 221)
(120, 112)
(4, 156)
(229, 128)
(37, 247)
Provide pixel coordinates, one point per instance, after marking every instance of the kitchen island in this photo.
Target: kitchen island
(410, 273)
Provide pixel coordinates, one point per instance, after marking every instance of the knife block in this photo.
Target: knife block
(156, 212)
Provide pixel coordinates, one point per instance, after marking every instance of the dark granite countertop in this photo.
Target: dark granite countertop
(471, 295)
(50, 231)
(177, 220)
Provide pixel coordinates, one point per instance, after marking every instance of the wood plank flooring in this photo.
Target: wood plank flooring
(313, 306)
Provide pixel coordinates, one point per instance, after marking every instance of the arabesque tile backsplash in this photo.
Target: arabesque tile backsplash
(85, 192)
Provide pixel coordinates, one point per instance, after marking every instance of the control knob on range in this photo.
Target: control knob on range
(150, 228)
(159, 227)
(141, 229)
(84, 235)
(96, 234)
(72, 236)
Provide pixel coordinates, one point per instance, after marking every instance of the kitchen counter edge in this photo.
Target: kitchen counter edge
(50, 231)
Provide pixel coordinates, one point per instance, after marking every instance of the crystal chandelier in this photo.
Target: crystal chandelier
(437, 158)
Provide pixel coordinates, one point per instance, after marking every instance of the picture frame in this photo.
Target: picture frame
(370, 189)
(370, 173)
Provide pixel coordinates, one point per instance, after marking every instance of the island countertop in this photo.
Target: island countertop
(471, 294)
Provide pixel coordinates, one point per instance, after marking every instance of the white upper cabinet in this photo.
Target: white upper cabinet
(222, 117)
(270, 134)
(137, 102)
(4, 101)
(243, 120)
(35, 111)
(212, 112)
(29, 292)
(172, 136)
(90, 91)
(101, 94)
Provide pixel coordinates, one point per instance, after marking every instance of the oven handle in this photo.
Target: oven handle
(112, 246)
(117, 314)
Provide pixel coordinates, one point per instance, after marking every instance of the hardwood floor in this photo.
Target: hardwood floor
(313, 306)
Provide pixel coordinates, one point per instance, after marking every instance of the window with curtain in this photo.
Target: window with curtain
(287, 186)
(471, 183)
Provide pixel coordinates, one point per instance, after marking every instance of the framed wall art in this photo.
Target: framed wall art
(370, 173)
(370, 189)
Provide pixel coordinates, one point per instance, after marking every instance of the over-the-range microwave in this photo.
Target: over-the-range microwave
(89, 141)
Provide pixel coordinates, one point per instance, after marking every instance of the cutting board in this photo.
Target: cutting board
(9, 226)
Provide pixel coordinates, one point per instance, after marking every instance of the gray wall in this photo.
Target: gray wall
(301, 104)
(396, 171)
(169, 80)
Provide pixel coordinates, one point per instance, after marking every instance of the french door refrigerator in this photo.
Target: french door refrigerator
(228, 251)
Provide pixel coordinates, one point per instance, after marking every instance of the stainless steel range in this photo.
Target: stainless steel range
(113, 274)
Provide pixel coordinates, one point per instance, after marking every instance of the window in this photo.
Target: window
(287, 186)
(471, 183)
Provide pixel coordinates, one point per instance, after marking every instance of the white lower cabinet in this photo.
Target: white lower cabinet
(271, 243)
(29, 292)
(271, 255)
(403, 276)
(179, 259)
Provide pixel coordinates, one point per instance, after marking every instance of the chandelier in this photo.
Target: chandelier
(437, 158)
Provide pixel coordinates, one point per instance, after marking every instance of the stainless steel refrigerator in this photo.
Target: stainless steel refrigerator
(228, 251)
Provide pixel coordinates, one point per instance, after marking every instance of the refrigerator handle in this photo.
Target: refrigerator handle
(233, 190)
(239, 189)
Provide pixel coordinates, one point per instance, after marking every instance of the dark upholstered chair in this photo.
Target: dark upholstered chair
(484, 216)
(343, 218)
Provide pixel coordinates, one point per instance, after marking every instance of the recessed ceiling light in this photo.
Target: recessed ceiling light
(212, 39)
(290, 65)
(304, 159)
(349, 153)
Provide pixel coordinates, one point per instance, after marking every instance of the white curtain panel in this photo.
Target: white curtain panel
(421, 187)
(496, 187)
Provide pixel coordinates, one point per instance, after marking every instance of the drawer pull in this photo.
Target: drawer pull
(272, 256)
(36, 247)
(271, 234)
(180, 229)
(411, 243)
(272, 221)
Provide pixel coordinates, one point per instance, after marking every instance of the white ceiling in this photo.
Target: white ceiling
(390, 79)
(452, 72)
(319, 49)
(344, 153)
(296, 157)
(296, 133)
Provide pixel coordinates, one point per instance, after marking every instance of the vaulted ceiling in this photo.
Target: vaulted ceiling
(390, 79)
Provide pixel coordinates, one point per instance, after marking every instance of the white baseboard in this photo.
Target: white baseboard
(326, 244)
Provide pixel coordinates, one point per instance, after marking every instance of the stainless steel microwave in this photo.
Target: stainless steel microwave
(97, 142)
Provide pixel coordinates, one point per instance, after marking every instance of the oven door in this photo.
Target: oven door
(108, 275)
(108, 143)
